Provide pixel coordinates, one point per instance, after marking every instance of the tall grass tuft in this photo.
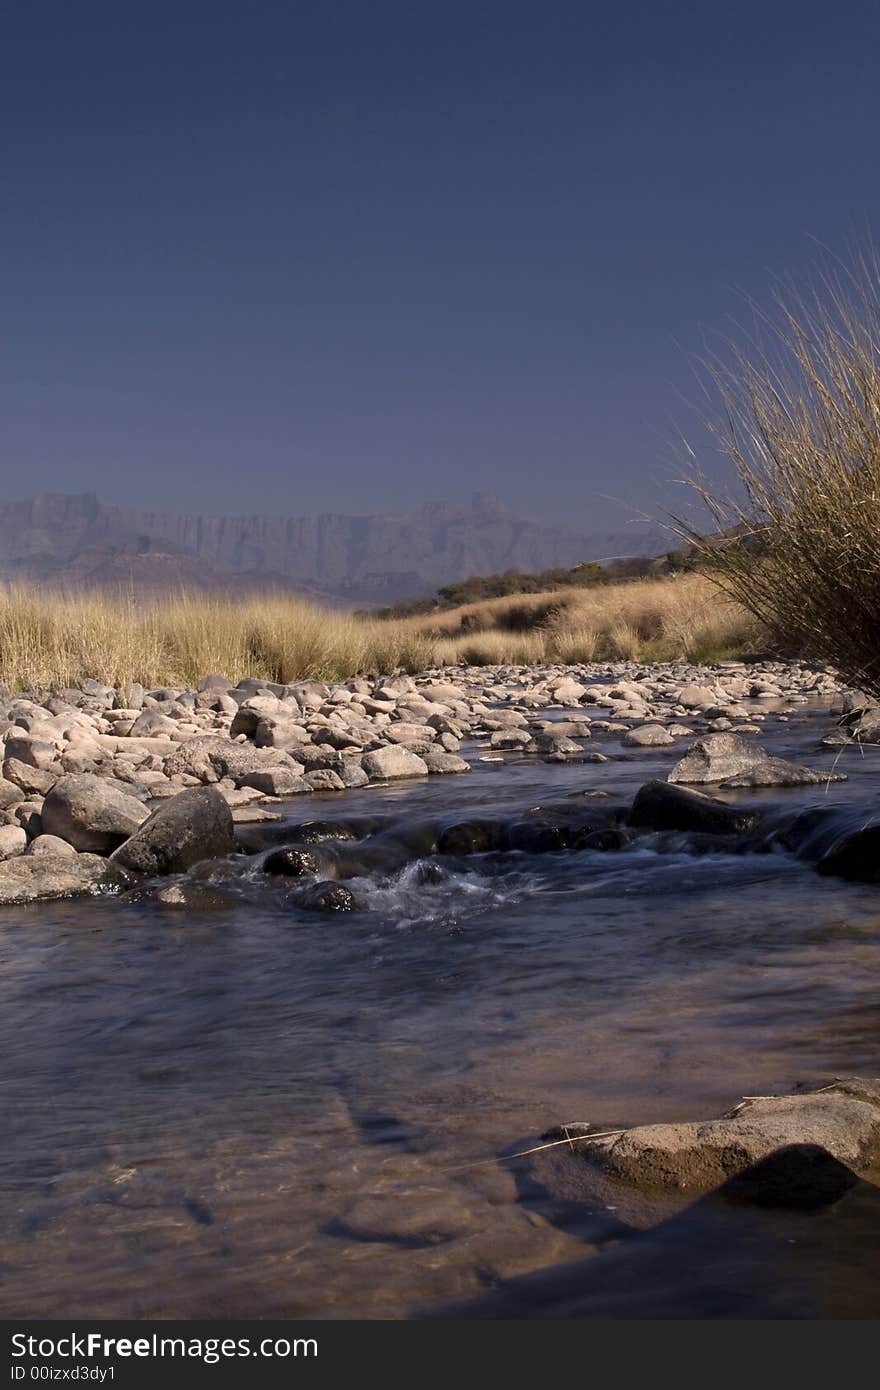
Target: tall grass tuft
(800, 423)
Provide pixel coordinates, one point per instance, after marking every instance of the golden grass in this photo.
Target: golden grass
(644, 620)
(799, 419)
(55, 640)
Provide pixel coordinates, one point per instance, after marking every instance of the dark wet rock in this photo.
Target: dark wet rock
(606, 840)
(854, 856)
(734, 761)
(660, 806)
(33, 878)
(195, 824)
(843, 1120)
(187, 896)
(313, 832)
(292, 862)
(326, 897)
(93, 814)
(470, 837)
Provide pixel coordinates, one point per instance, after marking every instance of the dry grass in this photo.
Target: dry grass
(55, 640)
(800, 422)
(645, 620)
(50, 640)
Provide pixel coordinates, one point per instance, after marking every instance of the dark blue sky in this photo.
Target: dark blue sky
(346, 256)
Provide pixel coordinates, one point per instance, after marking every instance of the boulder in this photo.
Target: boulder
(275, 781)
(696, 697)
(326, 897)
(659, 806)
(291, 862)
(196, 824)
(151, 723)
(31, 878)
(648, 736)
(855, 856)
(93, 814)
(444, 763)
(13, 841)
(30, 779)
(393, 762)
(734, 761)
(10, 794)
(843, 1120)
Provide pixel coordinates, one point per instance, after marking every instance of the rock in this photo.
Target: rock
(13, 841)
(326, 897)
(151, 723)
(648, 736)
(50, 844)
(444, 763)
(469, 837)
(324, 780)
(30, 750)
(10, 794)
(31, 878)
(292, 862)
(351, 774)
(843, 1120)
(509, 740)
(696, 697)
(29, 779)
(855, 856)
(275, 781)
(94, 814)
(731, 760)
(568, 691)
(659, 806)
(778, 772)
(195, 824)
(388, 764)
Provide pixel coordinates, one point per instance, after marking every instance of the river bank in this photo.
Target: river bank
(224, 1102)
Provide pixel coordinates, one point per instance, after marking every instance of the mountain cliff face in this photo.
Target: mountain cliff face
(80, 539)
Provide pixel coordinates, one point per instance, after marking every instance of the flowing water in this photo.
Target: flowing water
(249, 1109)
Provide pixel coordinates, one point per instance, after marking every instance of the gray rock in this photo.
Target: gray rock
(733, 761)
(275, 781)
(13, 841)
(94, 814)
(444, 763)
(150, 723)
(648, 736)
(10, 794)
(196, 824)
(50, 844)
(29, 779)
(389, 764)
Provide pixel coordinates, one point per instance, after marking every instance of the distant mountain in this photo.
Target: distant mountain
(76, 539)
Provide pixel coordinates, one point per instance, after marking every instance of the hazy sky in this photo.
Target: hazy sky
(293, 257)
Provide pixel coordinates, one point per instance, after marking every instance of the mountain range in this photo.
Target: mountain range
(77, 539)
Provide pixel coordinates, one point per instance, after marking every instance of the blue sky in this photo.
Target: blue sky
(354, 256)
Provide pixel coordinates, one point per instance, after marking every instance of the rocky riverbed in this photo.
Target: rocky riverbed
(98, 785)
(268, 1038)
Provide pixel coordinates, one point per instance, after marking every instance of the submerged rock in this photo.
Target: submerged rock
(291, 861)
(195, 824)
(659, 806)
(327, 897)
(855, 856)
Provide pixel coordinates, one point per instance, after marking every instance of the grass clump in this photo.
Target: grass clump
(800, 424)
